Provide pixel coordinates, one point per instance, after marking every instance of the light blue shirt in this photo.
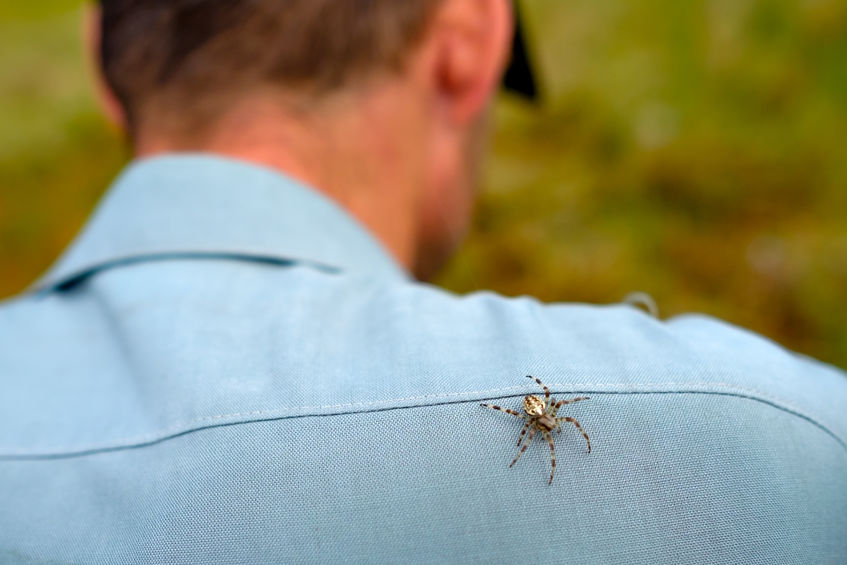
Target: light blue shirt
(225, 367)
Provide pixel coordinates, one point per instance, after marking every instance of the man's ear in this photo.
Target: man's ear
(108, 102)
(471, 40)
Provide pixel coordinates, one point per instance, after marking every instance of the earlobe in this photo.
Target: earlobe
(108, 102)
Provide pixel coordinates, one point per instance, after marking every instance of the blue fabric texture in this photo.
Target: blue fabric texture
(225, 367)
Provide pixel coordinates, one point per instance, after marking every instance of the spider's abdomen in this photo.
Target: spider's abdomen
(533, 405)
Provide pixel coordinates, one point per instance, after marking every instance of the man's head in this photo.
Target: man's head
(355, 97)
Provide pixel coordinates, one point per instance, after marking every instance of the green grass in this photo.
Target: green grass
(692, 150)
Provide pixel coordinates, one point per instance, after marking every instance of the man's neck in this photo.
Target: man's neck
(355, 158)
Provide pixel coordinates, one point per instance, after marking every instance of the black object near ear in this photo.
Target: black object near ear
(519, 77)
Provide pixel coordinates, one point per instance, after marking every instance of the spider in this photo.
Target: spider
(541, 417)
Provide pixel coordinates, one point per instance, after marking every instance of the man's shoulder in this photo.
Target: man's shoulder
(229, 342)
(621, 349)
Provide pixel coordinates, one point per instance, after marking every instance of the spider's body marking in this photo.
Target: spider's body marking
(533, 405)
(541, 416)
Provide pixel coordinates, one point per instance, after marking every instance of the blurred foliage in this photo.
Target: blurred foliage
(692, 150)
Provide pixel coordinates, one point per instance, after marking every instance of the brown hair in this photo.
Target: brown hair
(192, 57)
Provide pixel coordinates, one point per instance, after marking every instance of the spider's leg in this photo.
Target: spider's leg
(523, 432)
(549, 437)
(542, 385)
(575, 423)
(525, 445)
(501, 409)
(563, 402)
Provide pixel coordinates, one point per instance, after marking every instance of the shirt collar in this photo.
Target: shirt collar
(203, 205)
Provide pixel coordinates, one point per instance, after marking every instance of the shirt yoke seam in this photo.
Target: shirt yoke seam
(237, 418)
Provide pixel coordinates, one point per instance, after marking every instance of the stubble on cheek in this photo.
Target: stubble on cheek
(448, 215)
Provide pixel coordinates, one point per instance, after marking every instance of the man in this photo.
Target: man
(232, 363)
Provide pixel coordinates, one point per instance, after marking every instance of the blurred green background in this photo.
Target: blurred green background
(690, 149)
